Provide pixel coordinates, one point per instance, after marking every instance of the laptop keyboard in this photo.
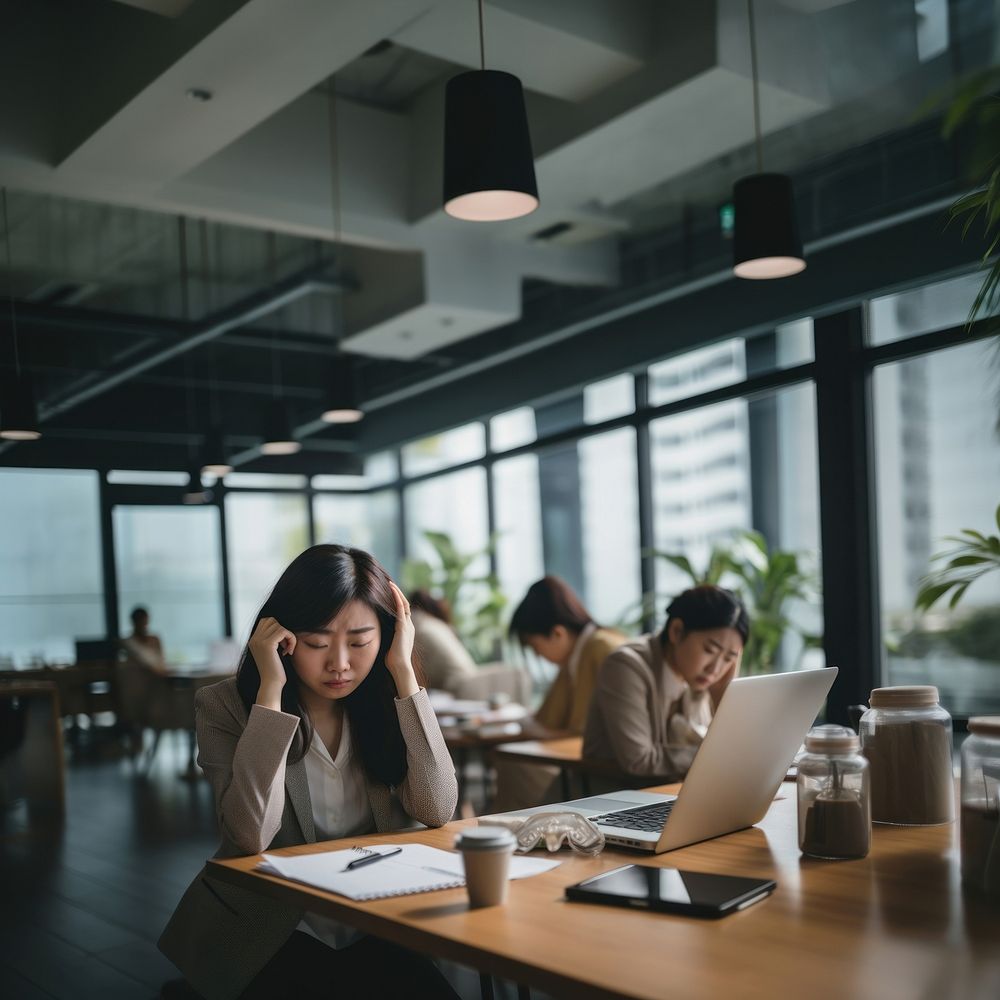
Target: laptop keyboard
(649, 818)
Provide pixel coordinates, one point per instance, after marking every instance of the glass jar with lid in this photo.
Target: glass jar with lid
(980, 818)
(906, 736)
(833, 794)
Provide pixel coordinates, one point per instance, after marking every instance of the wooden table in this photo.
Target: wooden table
(894, 926)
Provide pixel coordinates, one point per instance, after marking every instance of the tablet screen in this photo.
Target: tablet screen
(668, 885)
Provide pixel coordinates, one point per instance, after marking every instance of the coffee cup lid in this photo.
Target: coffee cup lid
(909, 696)
(484, 838)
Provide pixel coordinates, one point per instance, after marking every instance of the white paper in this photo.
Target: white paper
(417, 868)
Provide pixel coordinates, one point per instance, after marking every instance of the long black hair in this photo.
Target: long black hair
(707, 607)
(309, 594)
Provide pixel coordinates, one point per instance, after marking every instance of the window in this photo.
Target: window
(369, 522)
(455, 504)
(264, 533)
(519, 525)
(50, 576)
(938, 469)
(609, 511)
(724, 469)
(463, 444)
(610, 398)
(512, 429)
(932, 307)
(169, 561)
(696, 372)
(265, 481)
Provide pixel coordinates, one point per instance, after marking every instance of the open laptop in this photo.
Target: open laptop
(757, 729)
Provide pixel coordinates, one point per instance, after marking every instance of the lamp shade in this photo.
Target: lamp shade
(194, 492)
(214, 460)
(18, 412)
(342, 396)
(489, 170)
(766, 242)
(279, 439)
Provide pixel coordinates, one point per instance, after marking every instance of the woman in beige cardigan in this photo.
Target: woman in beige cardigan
(553, 622)
(655, 697)
(325, 718)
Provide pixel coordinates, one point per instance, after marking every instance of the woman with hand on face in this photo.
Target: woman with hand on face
(323, 721)
(656, 696)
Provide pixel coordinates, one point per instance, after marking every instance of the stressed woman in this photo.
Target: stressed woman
(656, 696)
(323, 721)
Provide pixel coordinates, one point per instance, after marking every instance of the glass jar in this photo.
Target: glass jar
(833, 793)
(906, 736)
(980, 821)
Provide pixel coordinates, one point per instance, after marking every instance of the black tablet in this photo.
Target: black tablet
(669, 890)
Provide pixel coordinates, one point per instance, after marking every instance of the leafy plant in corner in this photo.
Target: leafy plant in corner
(477, 603)
(973, 556)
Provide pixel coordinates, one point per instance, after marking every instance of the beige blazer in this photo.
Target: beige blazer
(643, 716)
(221, 936)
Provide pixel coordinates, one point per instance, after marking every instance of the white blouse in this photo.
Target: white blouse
(340, 808)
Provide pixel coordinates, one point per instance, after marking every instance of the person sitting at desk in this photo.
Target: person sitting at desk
(443, 658)
(142, 647)
(552, 621)
(325, 715)
(655, 697)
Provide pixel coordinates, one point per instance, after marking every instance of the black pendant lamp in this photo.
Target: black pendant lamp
(278, 438)
(766, 241)
(489, 169)
(342, 396)
(18, 412)
(214, 459)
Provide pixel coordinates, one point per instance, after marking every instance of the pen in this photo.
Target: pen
(368, 859)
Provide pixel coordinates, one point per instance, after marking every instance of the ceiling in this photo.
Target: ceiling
(207, 199)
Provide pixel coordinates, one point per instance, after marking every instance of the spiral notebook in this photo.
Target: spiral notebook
(417, 868)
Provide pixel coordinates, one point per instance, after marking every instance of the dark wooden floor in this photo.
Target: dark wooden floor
(83, 902)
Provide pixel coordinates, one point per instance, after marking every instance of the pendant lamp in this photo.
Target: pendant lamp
(278, 439)
(18, 412)
(342, 397)
(214, 459)
(489, 169)
(766, 241)
(194, 492)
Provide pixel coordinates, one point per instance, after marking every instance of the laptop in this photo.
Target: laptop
(757, 729)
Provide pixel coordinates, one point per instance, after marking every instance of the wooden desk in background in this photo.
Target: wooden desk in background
(893, 926)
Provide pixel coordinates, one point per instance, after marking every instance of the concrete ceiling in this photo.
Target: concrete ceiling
(222, 111)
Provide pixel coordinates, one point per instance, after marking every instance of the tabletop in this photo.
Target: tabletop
(893, 925)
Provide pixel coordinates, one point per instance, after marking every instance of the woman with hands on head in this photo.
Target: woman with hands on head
(656, 697)
(325, 719)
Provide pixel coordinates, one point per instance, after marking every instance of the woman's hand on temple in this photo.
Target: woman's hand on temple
(399, 658)
(718, 689)
(269, 641)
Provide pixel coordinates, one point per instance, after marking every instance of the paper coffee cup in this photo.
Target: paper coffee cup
(486, 852)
